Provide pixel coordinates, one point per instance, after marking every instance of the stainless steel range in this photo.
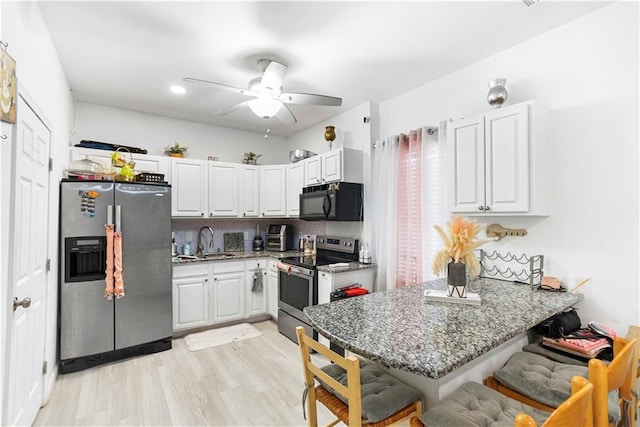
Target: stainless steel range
(298, 284)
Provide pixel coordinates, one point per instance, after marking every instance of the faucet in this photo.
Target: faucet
(200, 244)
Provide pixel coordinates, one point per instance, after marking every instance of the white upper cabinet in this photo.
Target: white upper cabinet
(341, 165)
(223, 189)
(313, 170)
(249, 191)
(295, 182)
(332, 166)
(273, 189)
(189, 188)
(490, 162)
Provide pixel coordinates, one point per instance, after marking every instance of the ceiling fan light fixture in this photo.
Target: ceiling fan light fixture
(178, 90)
(265, 106)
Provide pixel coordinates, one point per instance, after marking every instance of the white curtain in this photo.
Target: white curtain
(384, 203)
(435, 187)
(383, 210)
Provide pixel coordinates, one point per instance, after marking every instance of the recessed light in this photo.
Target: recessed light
(177, 89)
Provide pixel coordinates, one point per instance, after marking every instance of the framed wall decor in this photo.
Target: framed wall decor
(8, 87)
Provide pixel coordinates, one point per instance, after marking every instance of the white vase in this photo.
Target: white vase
(497, 93)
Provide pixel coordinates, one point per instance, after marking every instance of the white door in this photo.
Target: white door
(332, 166)
(28, 267)
(189, 193)
(249, 191)
(313, 171)
(466, 164)
(273, 190)
(507, 159)
(295, 182)
(223, 189)
(228, 296)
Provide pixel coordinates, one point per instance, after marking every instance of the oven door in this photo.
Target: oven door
(297, 290)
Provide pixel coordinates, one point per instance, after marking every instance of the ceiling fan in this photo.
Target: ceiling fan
(269, 100)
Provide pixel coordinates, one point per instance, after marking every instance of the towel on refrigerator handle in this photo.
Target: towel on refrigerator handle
(114, 283)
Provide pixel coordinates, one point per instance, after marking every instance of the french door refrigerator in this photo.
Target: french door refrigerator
(95, 324)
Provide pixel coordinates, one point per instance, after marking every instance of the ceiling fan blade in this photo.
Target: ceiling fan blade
(221, 86)
(286, 116)
(232, 108)
(273, 76)
(311, 99)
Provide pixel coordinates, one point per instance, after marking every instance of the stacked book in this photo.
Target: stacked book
(582, 343)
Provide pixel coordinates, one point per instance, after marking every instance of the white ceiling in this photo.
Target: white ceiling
(127, 54)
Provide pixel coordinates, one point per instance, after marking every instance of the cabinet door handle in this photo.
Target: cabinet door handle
(206, 280)
(486, 208)
(481, 208)
(201, 213)
(210, 213)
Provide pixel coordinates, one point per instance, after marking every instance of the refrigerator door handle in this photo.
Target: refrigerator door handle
(110, 214)
(118, 217)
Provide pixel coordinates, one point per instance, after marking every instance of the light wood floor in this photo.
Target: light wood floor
(254, 382)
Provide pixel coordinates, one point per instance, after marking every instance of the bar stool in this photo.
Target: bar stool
(542, 383)
(357, 392)
(473, 405)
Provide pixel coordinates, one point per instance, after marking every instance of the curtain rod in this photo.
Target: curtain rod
(431, 131)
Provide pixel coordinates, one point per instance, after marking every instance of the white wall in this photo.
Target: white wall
(351, 132)
(583, 77)
(40, 74)
(153, 133)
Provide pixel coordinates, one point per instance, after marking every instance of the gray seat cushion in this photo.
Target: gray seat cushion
(546, 381)
(553, 355)
(382, 394)
(474, 405)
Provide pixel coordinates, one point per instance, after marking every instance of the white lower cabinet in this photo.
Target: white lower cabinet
(256, 300)
(228, 290)
(221, 291)
(329, 282)
(190, 301)
(273, 279)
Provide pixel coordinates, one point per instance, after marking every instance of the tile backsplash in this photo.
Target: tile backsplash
(183, 227)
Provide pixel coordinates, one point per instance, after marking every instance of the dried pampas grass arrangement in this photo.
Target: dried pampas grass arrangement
(459, 244)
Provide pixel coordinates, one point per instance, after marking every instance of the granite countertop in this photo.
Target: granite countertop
(399, 329)
(351, 266)
(232, 256)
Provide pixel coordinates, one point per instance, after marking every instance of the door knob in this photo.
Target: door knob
(25, 303)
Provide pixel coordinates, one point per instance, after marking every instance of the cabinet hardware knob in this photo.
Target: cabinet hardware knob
(481, 208)
(486, 208)
(206, 280)
(210, 213)
(201, 213)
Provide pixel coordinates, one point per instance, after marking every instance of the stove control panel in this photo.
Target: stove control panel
(340, 244)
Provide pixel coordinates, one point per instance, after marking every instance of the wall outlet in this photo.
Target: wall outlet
(246, 235)
(188, 236)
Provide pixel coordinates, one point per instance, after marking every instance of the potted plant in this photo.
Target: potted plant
(458, 256)
(176, 150)
(251, 158)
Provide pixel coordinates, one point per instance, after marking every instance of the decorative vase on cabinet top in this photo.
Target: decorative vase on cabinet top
(497, 93)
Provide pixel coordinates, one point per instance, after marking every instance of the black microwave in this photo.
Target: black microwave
(340, 201)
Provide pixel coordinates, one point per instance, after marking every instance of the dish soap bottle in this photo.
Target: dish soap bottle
(367, 254)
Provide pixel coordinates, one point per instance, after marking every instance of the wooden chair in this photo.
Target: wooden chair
(616, 376)
(634, 333)
(352, 413)
(576, 411)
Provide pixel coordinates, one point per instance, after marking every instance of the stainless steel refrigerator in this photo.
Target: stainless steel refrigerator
(92, 328)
